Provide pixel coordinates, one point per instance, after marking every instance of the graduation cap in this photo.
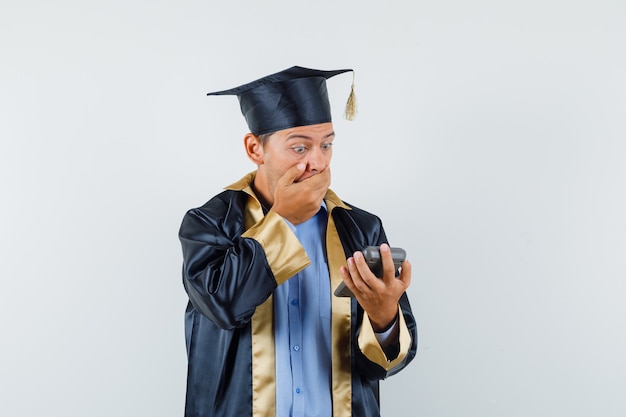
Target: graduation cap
(293, 97)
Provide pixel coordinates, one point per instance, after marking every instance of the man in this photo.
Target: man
(265, 335)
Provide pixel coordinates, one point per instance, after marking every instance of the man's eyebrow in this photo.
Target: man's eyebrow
(301, 136)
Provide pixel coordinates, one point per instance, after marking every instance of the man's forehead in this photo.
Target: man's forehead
(322, 130)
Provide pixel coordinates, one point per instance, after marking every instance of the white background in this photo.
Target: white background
(490, 138)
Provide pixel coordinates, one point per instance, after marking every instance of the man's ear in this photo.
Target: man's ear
(254, 148)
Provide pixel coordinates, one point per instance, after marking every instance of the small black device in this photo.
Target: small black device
(374, 261)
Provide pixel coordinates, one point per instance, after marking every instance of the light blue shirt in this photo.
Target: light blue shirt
(302, 310)
(302, 330)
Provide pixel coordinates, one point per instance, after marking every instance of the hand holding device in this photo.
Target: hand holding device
(374, 261)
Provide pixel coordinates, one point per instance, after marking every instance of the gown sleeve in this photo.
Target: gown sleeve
(228, 271)
(357, 230)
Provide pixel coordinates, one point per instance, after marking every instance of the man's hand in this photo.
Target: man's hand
(378, 297)
(298, 201)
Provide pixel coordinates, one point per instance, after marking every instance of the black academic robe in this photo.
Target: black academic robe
(234, 257)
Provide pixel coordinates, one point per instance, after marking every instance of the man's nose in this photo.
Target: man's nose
(316, 161)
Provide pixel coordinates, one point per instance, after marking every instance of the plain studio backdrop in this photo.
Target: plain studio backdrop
(490, 138)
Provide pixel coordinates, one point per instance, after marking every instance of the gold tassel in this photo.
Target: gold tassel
(350, 112)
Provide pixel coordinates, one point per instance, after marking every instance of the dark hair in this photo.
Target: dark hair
(264, 138)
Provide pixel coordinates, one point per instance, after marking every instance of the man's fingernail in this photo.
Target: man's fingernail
(384, 247)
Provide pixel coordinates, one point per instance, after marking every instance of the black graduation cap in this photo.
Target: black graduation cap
(293, 97)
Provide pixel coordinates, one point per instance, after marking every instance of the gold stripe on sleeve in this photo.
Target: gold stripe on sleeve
(285, 255)
(371, 348)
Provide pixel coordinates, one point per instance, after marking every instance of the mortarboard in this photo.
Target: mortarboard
(293, 97)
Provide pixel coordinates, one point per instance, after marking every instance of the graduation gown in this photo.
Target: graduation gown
(234, 256)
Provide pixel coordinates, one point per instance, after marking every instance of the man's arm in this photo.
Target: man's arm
(381, 299)
(227, 271)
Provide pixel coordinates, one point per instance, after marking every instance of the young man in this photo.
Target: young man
(265, 334)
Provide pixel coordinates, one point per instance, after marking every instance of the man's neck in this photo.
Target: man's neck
(259, 195)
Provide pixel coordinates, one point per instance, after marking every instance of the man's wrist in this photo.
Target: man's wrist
(388, 324)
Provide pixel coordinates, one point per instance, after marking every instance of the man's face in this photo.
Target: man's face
(311, 145)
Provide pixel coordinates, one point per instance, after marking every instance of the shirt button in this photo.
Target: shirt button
(298, 390)
(294, 302)
(296, 348)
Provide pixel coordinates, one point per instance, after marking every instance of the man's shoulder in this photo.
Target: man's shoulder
(220, 205)
(357, 228)
(344, 208)
(224, 197)
(356, 214)
(222, 215)
(357, 210)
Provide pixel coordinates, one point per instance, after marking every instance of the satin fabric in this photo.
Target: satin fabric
(296, 96)
(228, 275)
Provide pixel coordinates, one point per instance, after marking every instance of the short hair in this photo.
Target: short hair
(264, 138)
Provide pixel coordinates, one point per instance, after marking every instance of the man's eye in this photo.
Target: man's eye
(299, 149)
(327, 146)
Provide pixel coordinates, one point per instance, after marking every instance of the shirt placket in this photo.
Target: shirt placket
(295, 340)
